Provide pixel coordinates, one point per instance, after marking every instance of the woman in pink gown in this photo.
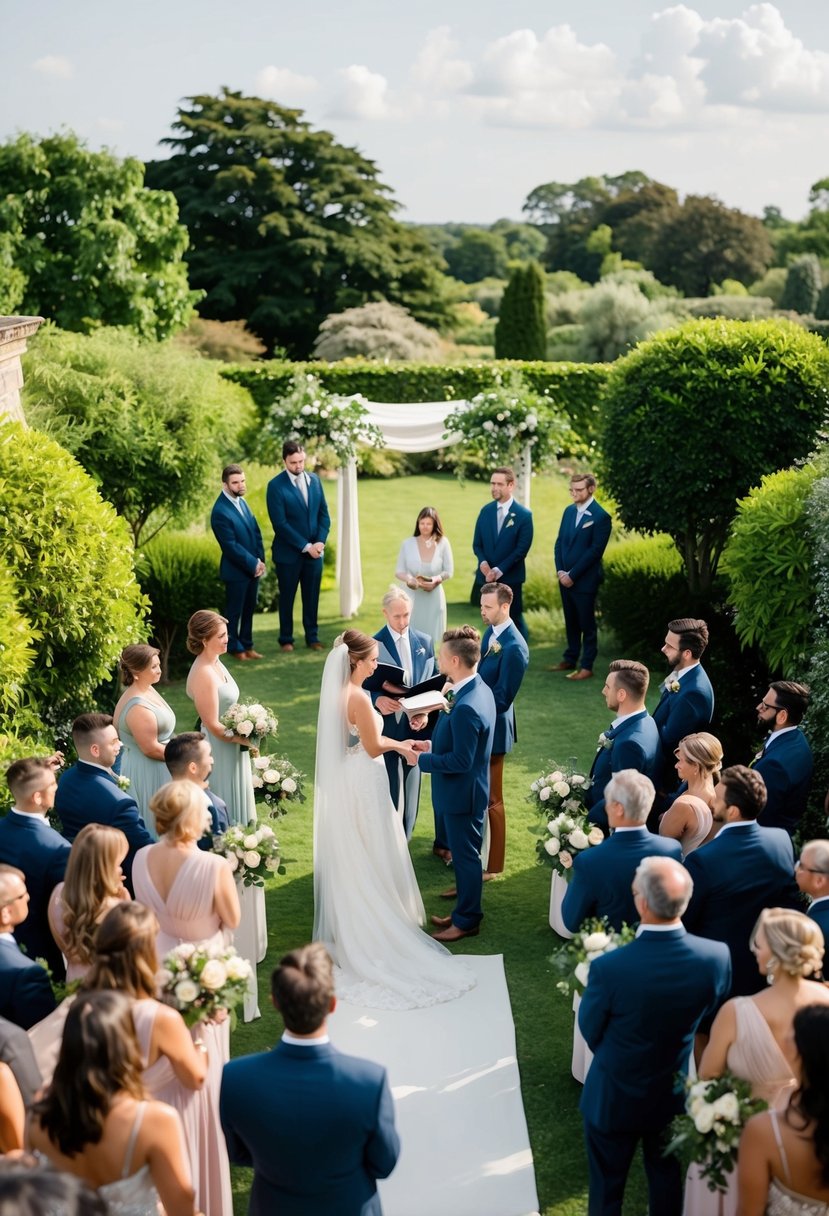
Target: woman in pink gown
(94, 883)
(688, 819)
(194, 897)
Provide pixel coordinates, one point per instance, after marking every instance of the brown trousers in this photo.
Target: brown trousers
(497, 816)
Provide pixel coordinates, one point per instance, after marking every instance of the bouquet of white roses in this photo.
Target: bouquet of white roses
(252, 853)
(250, 720)
(594, 938)
(559, 789)
(709, 1132)
(276, 782)
(198, 981)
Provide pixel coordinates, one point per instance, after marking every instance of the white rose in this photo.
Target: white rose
(699, 1089)
(704, 1119)
(251, 841)
(552, 828)
(271, 776)
(233, 861)
(582, 973)
(272, 864)
(532, 421)
(561, 788)
(552, 846)
(265, 833)
(306, 410)
(261, 726)
(186, 992)
(256, 710)
(556, 776)
(544, 794)
(596, 941)
(253, 859)
(257, 782)
(237, 968)
(578, 839)
(696, 1106)
(595, 835)
(214, 975)
(727, 1107)
(165, 978)
(186, 950)
(244, 728)
(534, 786)
(289, 785)
(489, 425)
(576, 779)
(261, 762)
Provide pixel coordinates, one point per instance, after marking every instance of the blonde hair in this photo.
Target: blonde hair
(201, 627)
(394, 594)
(704, 750)
(93, 877)
(794, 940)
(180, 810)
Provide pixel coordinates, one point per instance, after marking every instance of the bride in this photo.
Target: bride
(367, 906)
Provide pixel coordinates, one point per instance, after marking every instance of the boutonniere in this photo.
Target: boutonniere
(449, 697)
(605, 742)
(124, 783)
(510, 521)
(420, 650)
(494, 648)
(671, 685)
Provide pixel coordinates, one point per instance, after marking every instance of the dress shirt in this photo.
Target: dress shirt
(296, 1041)
(29, 814)
(738, 823)
(674, 925)
(622, 717)
(775, 734)
(459, 685)
(581, 508)
(497, 630)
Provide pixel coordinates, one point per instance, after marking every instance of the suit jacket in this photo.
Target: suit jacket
(296, 525)
(786, 766)
(600, 884)
(219, 820)
(741, 871)
(25, 992)
(635, 745)
(316, 1125)
(819, 912)
(683, 713)
(423, 666)
(16, 1052)
(87, 794)
(579, 550)
(506, 549)
(666, 975)
(28, 842)
(240, 540)
(461, 747)
(503, 672)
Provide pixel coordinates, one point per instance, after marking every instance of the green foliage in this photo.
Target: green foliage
(307, 411)
(644, 281)
(731, 308)
(772, 284)
(87, 244)
(16, 650)
(488, 294)
(541, 589)
(227, 341)
(288, 226)
(614, 317)
(179, 574)
(521, 332)
(643, 588)
(477, 254)
(803, 284)
(498, 424)
(822, 305)
(768, 564)
(817, 671)
(729, 287)
(706, 243)
(151, 423)
(376, 331)
(71, 561)
(696, 416)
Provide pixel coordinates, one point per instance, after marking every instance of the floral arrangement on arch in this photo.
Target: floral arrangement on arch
(708, 1134)
(500, 422)
(311, 414)
(572, 960)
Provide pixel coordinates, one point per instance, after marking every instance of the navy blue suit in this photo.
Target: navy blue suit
(635, 745)
(16, 1051)
(578, 551)
(459, 764)
(630, 1092)
(28, 842)
(316, 1125)
(219, 820)
(819, 912)
(600, 884)
(505, 550)
(88, 794)
(240, 541)
(786, 766)
(423, 666)
(25, 992)
(503, 671)
(682, 713)
(741, 871)
(296, 525)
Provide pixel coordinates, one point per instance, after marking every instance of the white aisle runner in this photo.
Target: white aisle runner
(453, 1072)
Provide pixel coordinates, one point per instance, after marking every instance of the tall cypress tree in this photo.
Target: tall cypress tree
(521, 332)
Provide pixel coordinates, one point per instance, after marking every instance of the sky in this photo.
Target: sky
(464, 105)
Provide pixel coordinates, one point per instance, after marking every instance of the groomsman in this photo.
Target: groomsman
(687, 701)
(300, 519)
(188, 758)
(243, 560)
(503, 535)
(812, 875)
(632, 740)
(785, 761)
(638, 1015)
(580, 545)
(25, 992)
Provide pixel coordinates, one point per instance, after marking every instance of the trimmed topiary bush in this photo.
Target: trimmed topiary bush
(803, 284)
(179, 574)
(521, 332)
(376, 331)
(643, 588)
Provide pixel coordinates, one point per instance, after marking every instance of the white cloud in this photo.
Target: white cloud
(361, 94)
(277, 83)
(109, 124)
(57, 66)
(435, 68)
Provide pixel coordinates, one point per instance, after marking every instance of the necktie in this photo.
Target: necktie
(404, 650)
(302, 487)
(501, 513)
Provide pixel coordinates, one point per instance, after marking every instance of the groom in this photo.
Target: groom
(458, 759)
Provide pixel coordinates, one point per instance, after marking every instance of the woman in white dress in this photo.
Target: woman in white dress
(367, 906)
(424, 564)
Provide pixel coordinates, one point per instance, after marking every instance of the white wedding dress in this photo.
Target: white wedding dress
(367, 905)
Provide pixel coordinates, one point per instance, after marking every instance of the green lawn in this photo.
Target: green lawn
(557, 720)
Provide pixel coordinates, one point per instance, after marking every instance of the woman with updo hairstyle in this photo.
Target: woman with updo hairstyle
(689, 819)
(94, 883)
(424, 564)
(145, 723)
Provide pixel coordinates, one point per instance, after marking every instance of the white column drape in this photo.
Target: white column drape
(349, 566)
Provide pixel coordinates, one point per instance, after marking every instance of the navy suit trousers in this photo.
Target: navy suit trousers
(579, 609)
(240, 605)
(609, 1157)
(305, 575)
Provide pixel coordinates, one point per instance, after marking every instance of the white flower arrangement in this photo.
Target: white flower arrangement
(252, 853)
(276, 782)
(499, 423)
(309, 413)
(708, 1134)
(201, 980)
(250, 720)
(594, 938)
(124, 783)
(495, 647)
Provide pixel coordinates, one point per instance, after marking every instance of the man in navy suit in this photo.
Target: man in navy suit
(812, 876)
(243, 560)
(89, 791)
(412, 650)
(686, 704)
(600, 884)
(16, 1052)
(502, 539)
(28, 842)
(744, 869)
(632, 741)
(785, 760)
(25, 992)
(188, 758)
(631, 1092)
(580, 544)
(300, 519)
(458, 759)
(316, 1125)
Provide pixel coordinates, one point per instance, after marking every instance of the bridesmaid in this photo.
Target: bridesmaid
(94, 883)
(424, 564)
(144, 722)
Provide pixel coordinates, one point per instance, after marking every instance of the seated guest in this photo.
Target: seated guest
(601, 880)
(785, 760)
(94, 1120)
(144, 722)
(94, 884)
(189, 758)
(12, 1112)
(25, 992)
(686, 704)
(89, 791)
(812, 874)
(688, 819)
(29, 842)
(16, 1051)
(27, 1190)
(335, 1112)
(631, 741)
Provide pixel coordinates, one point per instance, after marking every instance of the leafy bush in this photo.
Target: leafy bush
(822, 306)
(541, 587)
(643, 588)
(179, 574)
(768, 564)
(816, 724)
(564, 342)
(803, 284)
(16, 650)
(615, 317)
(227, 341)
(644, 281)
(544, 625)
(376, 331)
(488, 294)
(732, 308)
(772, 284)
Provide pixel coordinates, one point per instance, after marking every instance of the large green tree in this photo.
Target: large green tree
(521, 332)
(286, 224)
(704, 243)
(84, 243)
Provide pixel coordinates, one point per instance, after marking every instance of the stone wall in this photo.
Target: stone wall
(14, 332)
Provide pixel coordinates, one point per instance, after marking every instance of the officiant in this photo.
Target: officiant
(411, 656)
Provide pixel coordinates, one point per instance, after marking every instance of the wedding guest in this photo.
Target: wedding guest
(12, 1112)
(335, 1112)
(188, 758)
(631, 741)
(144, 722)
(30, 843)
(582, 539)
(502, 540)
(785, 760)
(689, 819)
(25, 991)
(27, 1190)
(89, 791)
(94, 884)
(94, 1120)
(784, 1159)
(686, 702)
(300, 520)
(812, 875)
(424, 564)
(243, 560)
(16, 1051)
